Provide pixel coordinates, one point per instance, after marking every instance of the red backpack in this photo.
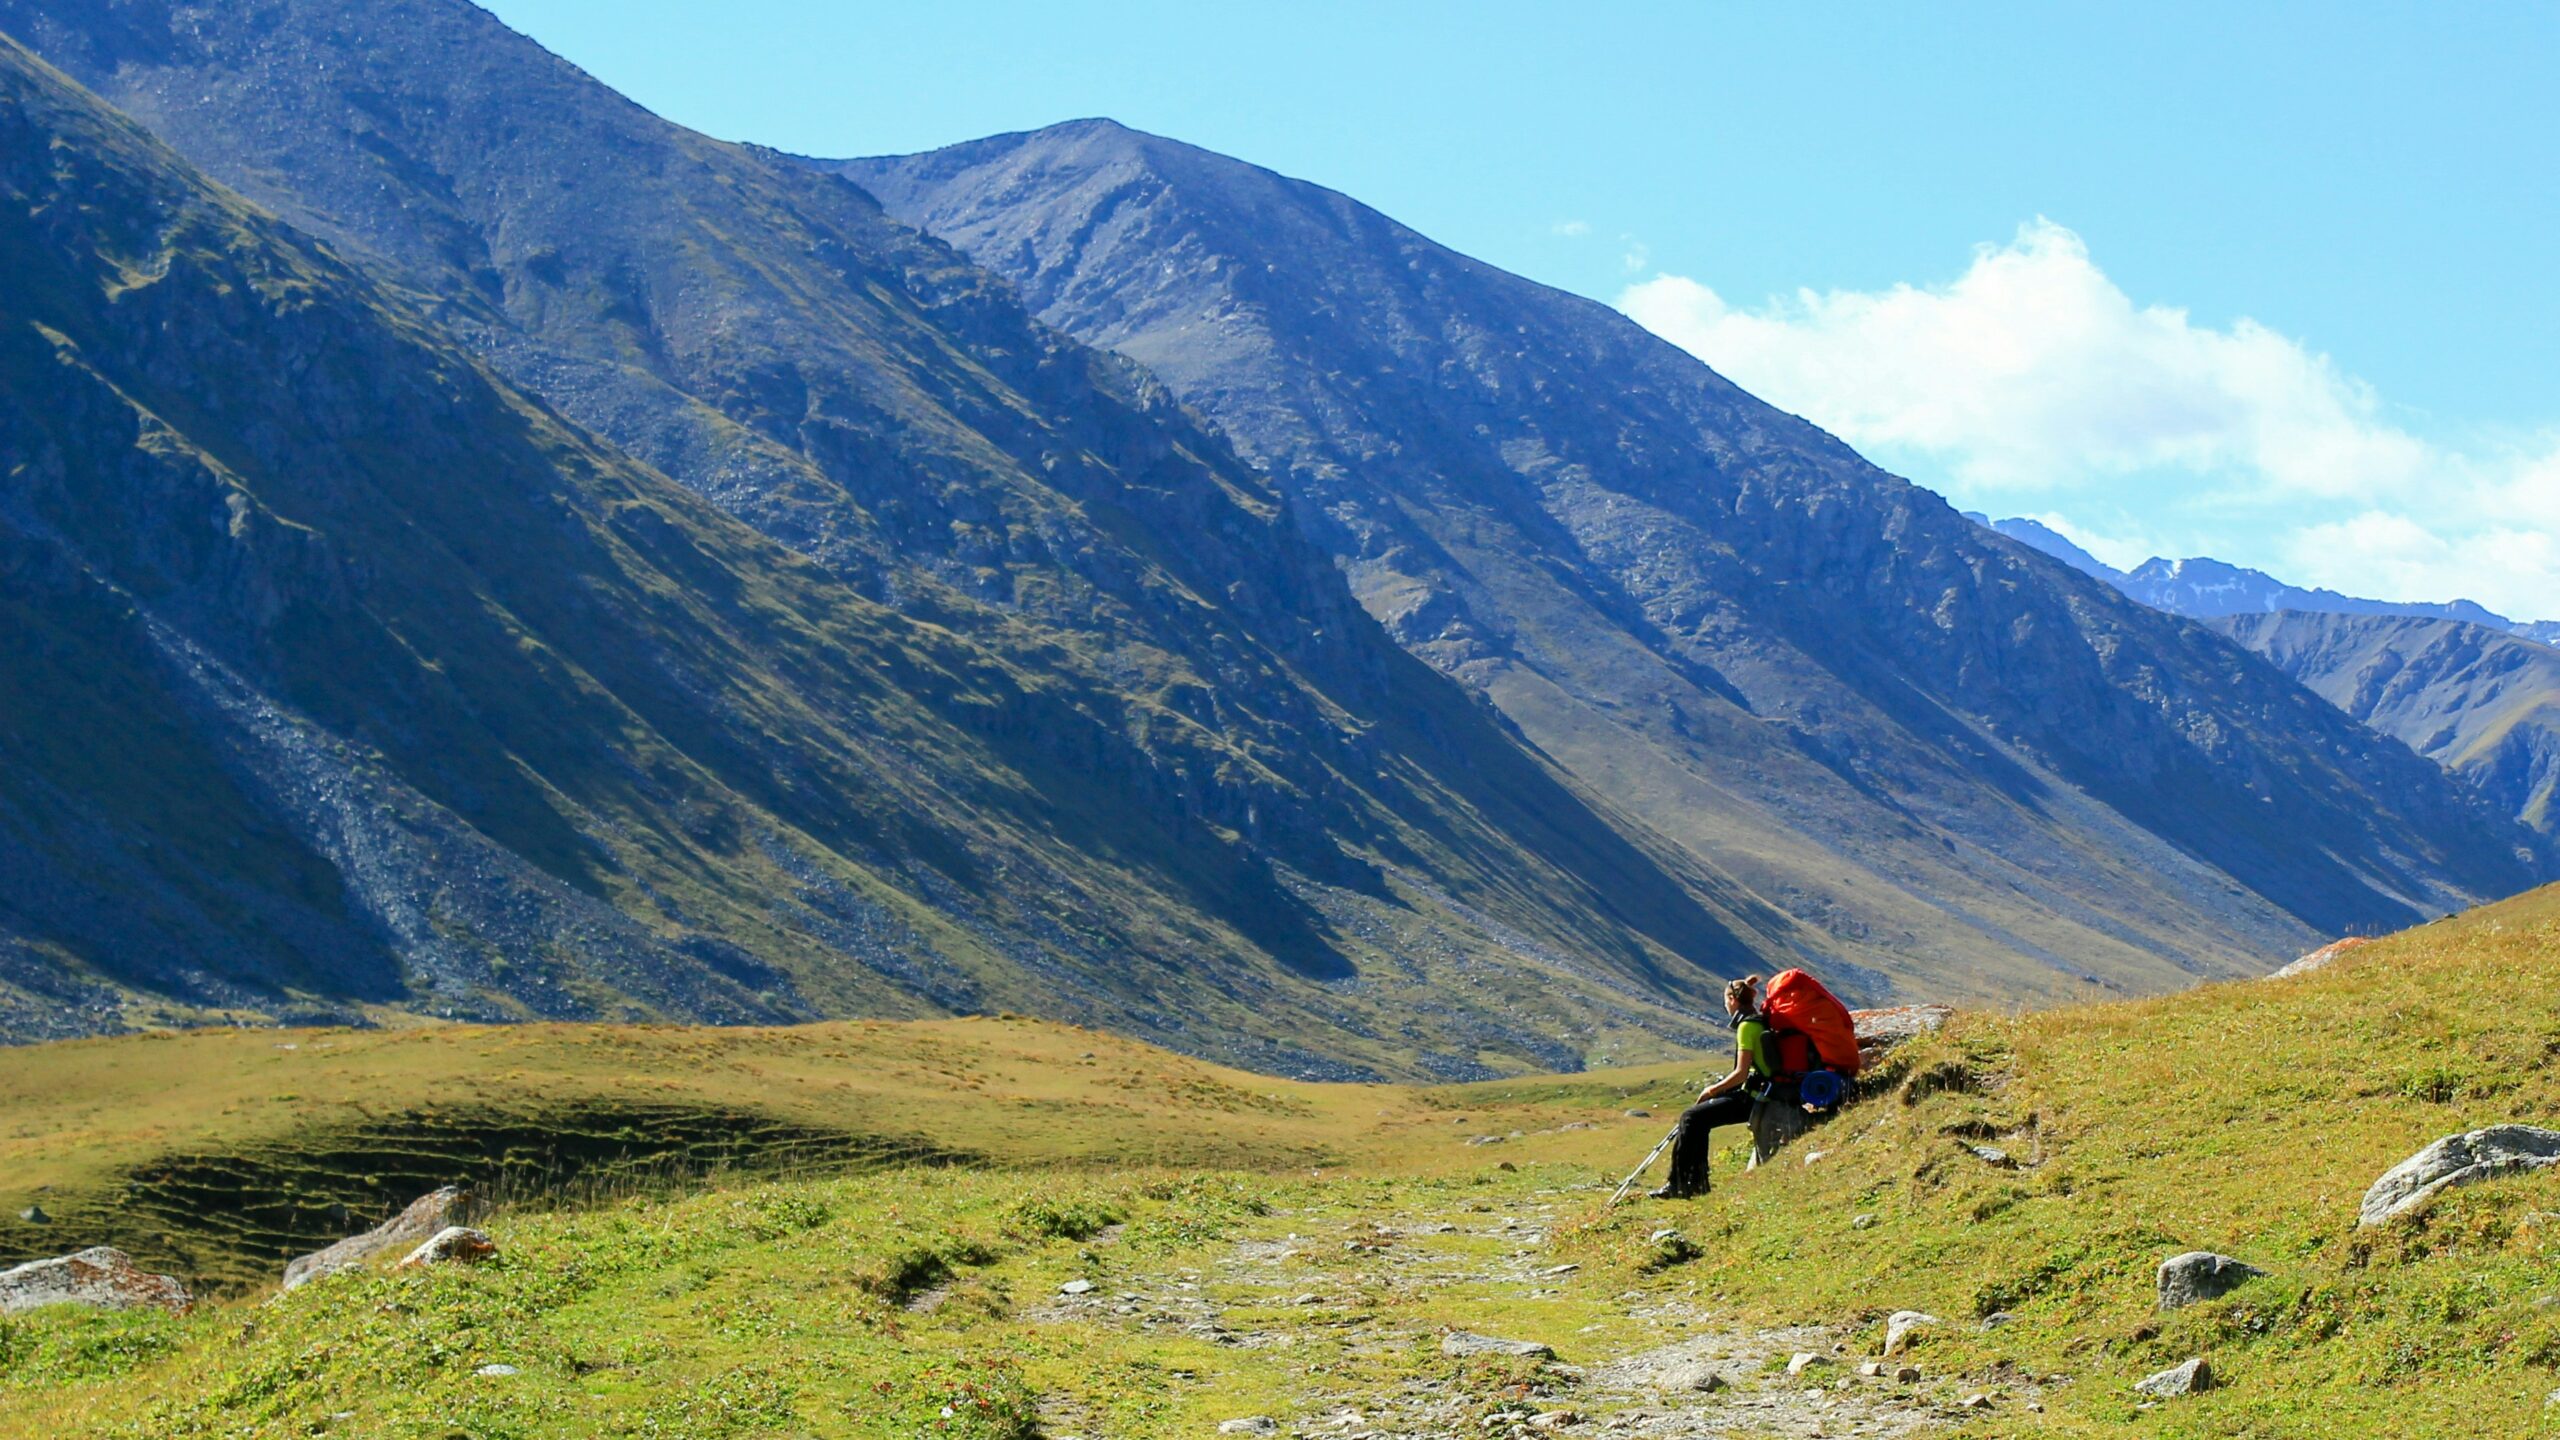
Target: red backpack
(1808, 1026)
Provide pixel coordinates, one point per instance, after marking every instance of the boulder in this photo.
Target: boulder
(2458, 1160)
(1688, 1376)
(102, 1276)
(1802, 1361)
(1772, 1126)
(2177, 1380)
(1900, 1326)
(1881, 1030)
(2201, 1275)
(34, 1215)
(426, 1215)
(1464, 1343)
(2319, 959)
(452, 1245)
(1077, 1287)
(1250, 1425)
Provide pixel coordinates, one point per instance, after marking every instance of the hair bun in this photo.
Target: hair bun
(1753, 982)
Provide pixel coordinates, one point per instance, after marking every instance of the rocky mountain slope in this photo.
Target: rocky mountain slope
(1969, 766)
(342, 676)
(2481, 702)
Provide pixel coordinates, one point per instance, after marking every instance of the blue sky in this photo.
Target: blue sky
(2276, 285)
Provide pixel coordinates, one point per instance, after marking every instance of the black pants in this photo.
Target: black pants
(1689, 1142)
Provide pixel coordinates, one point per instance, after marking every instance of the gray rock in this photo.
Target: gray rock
(2178, 1380)
(1691, 1376)
(1863, 1222)
(1802, 1361)
(34, 1215)
(1639, 1114)
(497, 1371)
(1881, 1030)
(2201, 1275)
(1996, 1158)
(2458, 1160)
(1900, 1326)
(452, 1245)
(1462, 1342)
(426, 1215)
(1997, 1318)
(1250, 1425)
(1076, 1287)
(1907, 1374)
(1773, 1127)
(102, 1277)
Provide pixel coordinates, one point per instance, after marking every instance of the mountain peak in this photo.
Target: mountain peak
(1653, 572)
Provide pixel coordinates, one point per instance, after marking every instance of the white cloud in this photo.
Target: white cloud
(2033, 377)
(1572, 229)
(1638, 255)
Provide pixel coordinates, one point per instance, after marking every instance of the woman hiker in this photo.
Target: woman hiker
(1729, 1100)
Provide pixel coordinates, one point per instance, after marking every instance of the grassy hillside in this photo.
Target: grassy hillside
(1296, 1251)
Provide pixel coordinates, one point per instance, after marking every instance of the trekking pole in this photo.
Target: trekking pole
(1649, 1157)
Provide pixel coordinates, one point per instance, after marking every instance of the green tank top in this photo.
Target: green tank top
(1752, 1035)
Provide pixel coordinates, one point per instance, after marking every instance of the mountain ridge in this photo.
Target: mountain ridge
(2481, 701)
(2203, 588)
(597, 748)
(1690, 553)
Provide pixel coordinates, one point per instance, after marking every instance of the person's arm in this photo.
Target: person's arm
(1732, 1082)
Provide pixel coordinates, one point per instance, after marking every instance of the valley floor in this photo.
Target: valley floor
(2019, 1178)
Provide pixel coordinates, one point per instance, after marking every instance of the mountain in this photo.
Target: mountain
(345, 677)
(2480, 701)
(1968, 766)
(2460, 684)
(2210, 589)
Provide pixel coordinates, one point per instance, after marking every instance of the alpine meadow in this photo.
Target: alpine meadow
(1065, 788)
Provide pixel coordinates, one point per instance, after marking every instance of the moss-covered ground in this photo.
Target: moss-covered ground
(1260, 1248)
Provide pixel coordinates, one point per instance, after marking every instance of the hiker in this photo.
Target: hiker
(1729, 1100)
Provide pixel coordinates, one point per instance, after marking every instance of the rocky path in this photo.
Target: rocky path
(1462, 1319)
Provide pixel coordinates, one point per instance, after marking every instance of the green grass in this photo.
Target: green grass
(2246, 1118)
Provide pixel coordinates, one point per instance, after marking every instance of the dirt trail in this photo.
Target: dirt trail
(1368, 1309)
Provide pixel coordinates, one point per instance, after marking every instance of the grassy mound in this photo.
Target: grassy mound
(1317, 1240)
